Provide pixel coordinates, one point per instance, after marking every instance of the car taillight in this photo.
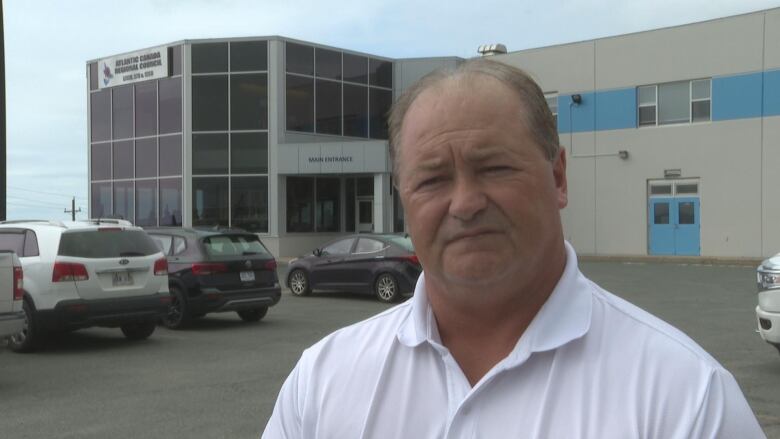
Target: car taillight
(18, 283)
(270, 265)
(68, 271)
(160, 267)
(411, 258)
(202, 269)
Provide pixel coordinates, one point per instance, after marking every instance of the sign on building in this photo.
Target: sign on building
(133, 67)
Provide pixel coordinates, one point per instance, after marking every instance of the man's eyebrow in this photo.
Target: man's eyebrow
(483, 154)
(429, 164)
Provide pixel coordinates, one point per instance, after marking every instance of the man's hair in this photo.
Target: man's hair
(539, 120)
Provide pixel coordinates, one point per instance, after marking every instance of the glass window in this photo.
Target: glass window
(100, 156)
(145, 109)
(686, 213)
(30, 244)
(122, 112)
(247, 56)
(146, 202)
(328, 107)
(209, 103)
(647, 95)
(349, 209)
(300, 204)
(234, 245)
(661, 213)
(700, 111)
(380, 73)
(170, 155)
(170, 105)
(328, 64)
(701, 102)
(300, 103)
(93, 76)
(12, 240)
(209, 57)
(355, 68)
(100, 115)
(101, 200)
(661, 189)
(210, 201)
(646, 116)
(647, 105)
(164, 242)
(700, 89)
(328, 206)
(179, 245)
(300, 59)
(146, 158)
(106, 244)
(355, 111)
(381, 100)
(366, 245)
(170, 202)
(174, 60)
(688, 188)
(340, 247)
(249, 197)
(249, 153)
(673, 101)
(365, 212)
(365, 187)
(123, 159)
(249, 102)
(209, 154)
(123, 200)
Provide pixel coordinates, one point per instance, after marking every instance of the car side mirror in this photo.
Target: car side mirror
(317, 252)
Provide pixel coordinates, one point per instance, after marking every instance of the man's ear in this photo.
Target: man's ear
(559, 173)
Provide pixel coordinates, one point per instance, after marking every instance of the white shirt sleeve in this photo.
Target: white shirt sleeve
(724, 412)
(285, 422)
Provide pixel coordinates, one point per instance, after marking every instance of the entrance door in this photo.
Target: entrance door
(661, 226)
(687, 232)
(674, 223)
(364, 215)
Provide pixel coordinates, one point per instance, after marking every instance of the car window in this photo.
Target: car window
(402, 241)
(13, 241)
(340, 247)
(234, 245)
(179, 245)
(367, 245)
(164, 242)
(107, 243)
(30, 244)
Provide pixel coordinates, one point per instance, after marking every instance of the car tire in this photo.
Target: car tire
(298, 281)
(386, 288)
(252, 315)
(30, 337)
(138, 330)
(178, 315)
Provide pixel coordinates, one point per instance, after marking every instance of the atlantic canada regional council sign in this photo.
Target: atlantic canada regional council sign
(133, 67)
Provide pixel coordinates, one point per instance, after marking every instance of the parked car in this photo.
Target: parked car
(383, 265)
(86, 273)
(217, 270)
(768, 309)
(11, 284)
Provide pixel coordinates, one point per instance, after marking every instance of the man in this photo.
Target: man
(504, 337)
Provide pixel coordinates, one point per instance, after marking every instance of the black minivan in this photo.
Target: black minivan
(216, 270)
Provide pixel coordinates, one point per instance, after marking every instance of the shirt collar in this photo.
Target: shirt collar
(564, 317)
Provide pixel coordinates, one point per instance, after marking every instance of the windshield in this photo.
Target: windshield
(107, 244)
(234, 245)
(402, 241)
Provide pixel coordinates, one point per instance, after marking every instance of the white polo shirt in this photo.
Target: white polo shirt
(590, 365)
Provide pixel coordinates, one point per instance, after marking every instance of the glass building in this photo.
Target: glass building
(283, 138)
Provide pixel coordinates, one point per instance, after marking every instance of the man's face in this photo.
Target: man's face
(482, 202)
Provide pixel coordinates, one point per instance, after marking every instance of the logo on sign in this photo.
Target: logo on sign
(123, 262)
(248, 264)
(107, 74)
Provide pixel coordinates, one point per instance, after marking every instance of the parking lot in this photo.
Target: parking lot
(219, 378)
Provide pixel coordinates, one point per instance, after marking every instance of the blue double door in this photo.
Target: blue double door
(674, 226)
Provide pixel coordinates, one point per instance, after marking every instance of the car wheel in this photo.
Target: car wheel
(386, 288)
(138, 330)
(178, 315)
(28, 339)
(253, 315)
(299, 282)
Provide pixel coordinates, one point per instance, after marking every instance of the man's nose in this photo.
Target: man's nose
(468, 199)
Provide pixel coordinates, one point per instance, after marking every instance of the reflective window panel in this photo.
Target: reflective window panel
(246, 56)
(355, 68)
(123, 200)
(249, 153)
(101, 200)
(170, 202)
(170, 105)
(249, 199)
(210, 201)
(174, 60)
(249, 102)
(209, 154)
(380, 73)
(100, 157)
(355, 110)
(122, 112)
(380, 102)
(210, 103)
(328, 107)
(328, 63)
(170, 155)
(328, 206)
(209, 57)
(122, 159)
(146, 202)
(300, 204)
(146, 109)
(300, 59)
(146, 158)
(100, 115)
(93, 76)
(300, 103)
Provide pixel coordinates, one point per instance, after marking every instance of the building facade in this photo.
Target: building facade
(672, 137)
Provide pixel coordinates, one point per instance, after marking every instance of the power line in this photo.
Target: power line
(44, 203)
(12, 203)
(47, 193)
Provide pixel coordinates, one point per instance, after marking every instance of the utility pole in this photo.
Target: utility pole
(73, 210)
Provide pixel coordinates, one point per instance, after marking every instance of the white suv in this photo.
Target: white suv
(768, 309)
(87, 273)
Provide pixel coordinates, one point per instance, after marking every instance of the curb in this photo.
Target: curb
(692, 260)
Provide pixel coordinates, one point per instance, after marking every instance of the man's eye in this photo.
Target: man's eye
(428, 182)
(499, 169)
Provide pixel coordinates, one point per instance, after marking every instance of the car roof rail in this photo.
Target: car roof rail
(36, 221)
(115, 221)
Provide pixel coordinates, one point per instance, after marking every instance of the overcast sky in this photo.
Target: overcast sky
(47, 44)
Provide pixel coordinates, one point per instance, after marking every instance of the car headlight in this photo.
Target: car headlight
(768, 281)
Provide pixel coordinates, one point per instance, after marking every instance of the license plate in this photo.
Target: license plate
(122, 278)
(247, 276)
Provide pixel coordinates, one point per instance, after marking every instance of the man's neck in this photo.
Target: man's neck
(480, 328)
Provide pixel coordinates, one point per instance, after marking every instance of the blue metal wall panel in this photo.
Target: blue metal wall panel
(772, 93)
(737, 97)
(577, 118)
(616, 109)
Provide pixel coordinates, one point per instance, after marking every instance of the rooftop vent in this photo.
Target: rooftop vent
(491, 49)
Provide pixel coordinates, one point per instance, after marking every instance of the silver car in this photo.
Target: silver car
(768, 309)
